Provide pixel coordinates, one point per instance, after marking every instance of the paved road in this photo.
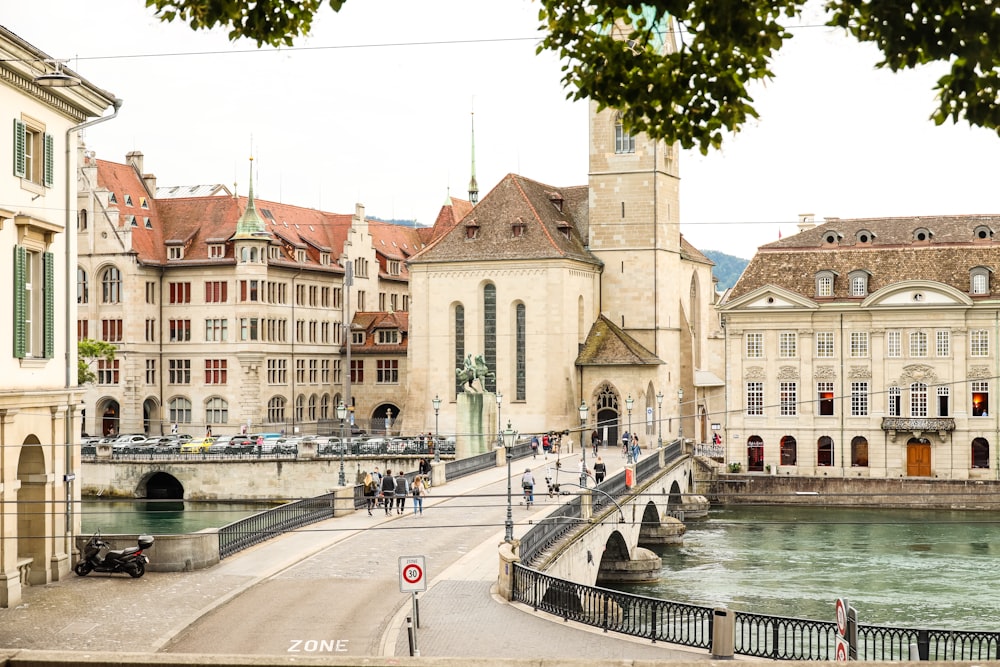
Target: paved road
(332, 587)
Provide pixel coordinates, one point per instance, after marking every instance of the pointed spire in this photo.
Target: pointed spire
(473, 185)
(250, 223)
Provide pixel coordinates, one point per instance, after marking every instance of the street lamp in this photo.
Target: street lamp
(342, 415)
(509, 438)
(659, 419)
(499, 422)
(680, 417)
(436, 402)
(583, 448)
(628, 445)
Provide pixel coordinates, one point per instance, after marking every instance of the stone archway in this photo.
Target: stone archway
(32, 510)
(608, 414)
(151, 413)
(110, 413)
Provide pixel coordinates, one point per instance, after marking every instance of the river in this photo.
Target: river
(909, 568)
(161, 517)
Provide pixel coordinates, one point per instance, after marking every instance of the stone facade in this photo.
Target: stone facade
(39, 402)
(867, 348)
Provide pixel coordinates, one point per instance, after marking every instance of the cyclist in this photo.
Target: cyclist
(528, 484)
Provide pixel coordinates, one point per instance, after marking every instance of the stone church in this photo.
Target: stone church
(586, 295)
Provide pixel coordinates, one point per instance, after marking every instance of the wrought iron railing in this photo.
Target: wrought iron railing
(262, 526)
(550, 530)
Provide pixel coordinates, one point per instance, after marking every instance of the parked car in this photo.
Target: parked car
(170, 446)
(241, 444)
(372, 446)
(197, 446)
(286, 445)
(265, 440)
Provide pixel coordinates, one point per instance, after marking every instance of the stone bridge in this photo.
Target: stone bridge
(611, 545)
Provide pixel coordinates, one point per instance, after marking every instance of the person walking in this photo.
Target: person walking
(377, 476)
(600, 470)
(595, 441)
(402, 490)
(626, 444)
(418, 491)
(635, 448)
(370, 491)
(388, 491)
(528, 484)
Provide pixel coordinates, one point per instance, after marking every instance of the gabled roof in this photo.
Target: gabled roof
(608, 345)
(542, 211)
(126, 184)
(371, 322)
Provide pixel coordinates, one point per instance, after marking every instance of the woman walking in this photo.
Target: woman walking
(418, 491)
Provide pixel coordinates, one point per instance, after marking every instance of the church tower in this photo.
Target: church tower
(634, 224)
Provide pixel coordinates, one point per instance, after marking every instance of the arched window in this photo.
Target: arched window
(459, 334)
(824, 451)
(300, 408)
(755, 453)
(624, 142)
(276, 410)
(824, 283)
(520, 392)
(980, 453)
(859, 452)
(82, 220)
(859, 283)
(312, 408)
(216, 411)
(980, 279)
(324, 407)
(490, 333)
(788, 451)
(918, 399)
(82, 287)
(180, 410)
(111, 285)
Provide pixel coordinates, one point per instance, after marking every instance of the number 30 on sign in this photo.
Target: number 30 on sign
(412, 574)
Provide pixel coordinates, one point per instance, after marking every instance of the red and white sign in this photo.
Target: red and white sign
(841, 654)
(412, 574)
(841, 617)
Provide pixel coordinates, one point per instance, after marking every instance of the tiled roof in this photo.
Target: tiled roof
(608, 345)
(371, 322)
(889, 249)
(174, 191)
(517, 202)
(126, 185)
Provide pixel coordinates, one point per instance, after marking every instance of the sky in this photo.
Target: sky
(376, 106)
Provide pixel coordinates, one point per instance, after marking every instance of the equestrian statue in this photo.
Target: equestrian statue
(474, 369)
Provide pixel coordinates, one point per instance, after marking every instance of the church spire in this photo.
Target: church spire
(250, 223)
(473, 185)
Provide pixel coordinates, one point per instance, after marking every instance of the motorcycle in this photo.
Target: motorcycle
(99, 557)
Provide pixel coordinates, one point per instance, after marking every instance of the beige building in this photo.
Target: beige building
(867, 348)
(47, 105)
(228, 312)
(586, 294)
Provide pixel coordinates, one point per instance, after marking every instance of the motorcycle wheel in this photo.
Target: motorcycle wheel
(83, 568)
(136, 569)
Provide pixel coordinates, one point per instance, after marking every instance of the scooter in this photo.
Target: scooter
(99, 557)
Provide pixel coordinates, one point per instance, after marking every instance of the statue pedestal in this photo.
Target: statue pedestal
(476, 426)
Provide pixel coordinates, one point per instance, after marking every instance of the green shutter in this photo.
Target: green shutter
(19, 141)
(50, 159)
(49, 324)
(20, 344)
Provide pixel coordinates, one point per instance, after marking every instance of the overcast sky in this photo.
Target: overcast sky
(375, 108)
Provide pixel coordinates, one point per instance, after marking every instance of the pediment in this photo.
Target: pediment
(916, 293)
(770, 297)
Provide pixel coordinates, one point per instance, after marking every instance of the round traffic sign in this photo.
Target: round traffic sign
(841, 652)
(413, 573)
(841, 617)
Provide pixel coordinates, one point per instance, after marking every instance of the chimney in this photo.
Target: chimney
(134, 159)
(806, 221)
(149, 180)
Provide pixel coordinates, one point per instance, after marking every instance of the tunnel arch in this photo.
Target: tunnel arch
(160, 485)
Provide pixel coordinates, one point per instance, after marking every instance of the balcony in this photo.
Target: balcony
(918, 426)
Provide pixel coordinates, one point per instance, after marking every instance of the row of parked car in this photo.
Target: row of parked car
(268, 443)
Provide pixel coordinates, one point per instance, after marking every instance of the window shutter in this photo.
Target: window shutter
(50, 159)
(20, 343)
(19, 157)
(49, 331)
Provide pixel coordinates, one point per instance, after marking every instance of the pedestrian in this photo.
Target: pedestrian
(417, 490)
(388, 491)
(595, 440)
(173, 429)
(377, 476)
(208, 431)
(626, 444)
(635, 448)
(370, 490)
(534, 447)
(600, 470)
(552, 479)
(402, 489)
(528, 484)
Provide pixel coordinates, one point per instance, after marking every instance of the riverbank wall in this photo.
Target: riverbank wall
(726, 488)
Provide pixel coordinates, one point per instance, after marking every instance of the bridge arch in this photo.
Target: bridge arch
(160, 485)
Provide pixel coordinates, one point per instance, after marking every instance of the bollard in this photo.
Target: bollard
(416, 611)
(409, 634)
(723, 634)
(914, 652)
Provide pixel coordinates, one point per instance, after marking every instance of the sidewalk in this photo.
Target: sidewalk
(459, 615)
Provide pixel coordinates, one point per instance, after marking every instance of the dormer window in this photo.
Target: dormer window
(864, 237)
(112, 199)
(556, 200)
(979, 277)
(357, 338)
(831, 237)
(216, 251)
(324, 258)
(143, 203)
(128, 200)
(393, 266)
(517, 228)
(130, 221)
(922, 235)
(175, 252)
(824, 283)
(472, 230)
(147, 223)
(388, 336)
(564, 227)
(858, 281)
(300, 256)
(982, 233)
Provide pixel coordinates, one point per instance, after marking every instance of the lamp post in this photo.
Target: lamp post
(628, 445)
(436, 402)
(342, 415)
(509, 437)
(583, 448)
(499, 422)
(680, 417)
(659, 419)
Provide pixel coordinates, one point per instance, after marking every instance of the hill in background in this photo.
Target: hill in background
(727, 269)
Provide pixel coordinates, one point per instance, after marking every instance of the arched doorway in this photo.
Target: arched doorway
(755, 453)
(383, 418)
(608, 415)
(32, 510)
(150, 413)
(110, 415)
(918, 457)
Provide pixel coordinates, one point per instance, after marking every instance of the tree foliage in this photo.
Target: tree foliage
(696, 92)
(88, 351)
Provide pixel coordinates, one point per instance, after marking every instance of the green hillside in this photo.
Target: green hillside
(727, 268)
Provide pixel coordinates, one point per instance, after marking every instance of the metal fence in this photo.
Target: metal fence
(262, 526)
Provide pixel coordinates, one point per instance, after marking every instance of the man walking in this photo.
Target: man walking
(388, 491)
(402, 488)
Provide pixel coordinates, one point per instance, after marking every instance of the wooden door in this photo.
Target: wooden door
(918, 460)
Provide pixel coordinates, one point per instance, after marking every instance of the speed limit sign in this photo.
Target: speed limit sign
(412, 575)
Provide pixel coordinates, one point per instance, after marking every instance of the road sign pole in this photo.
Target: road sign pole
(416, 624)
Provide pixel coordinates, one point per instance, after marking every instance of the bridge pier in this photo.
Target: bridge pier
(643, 567)
(669, 531)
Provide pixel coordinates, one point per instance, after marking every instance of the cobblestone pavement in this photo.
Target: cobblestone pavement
(355, 559)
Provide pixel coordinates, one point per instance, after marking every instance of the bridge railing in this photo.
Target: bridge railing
(262, 526)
